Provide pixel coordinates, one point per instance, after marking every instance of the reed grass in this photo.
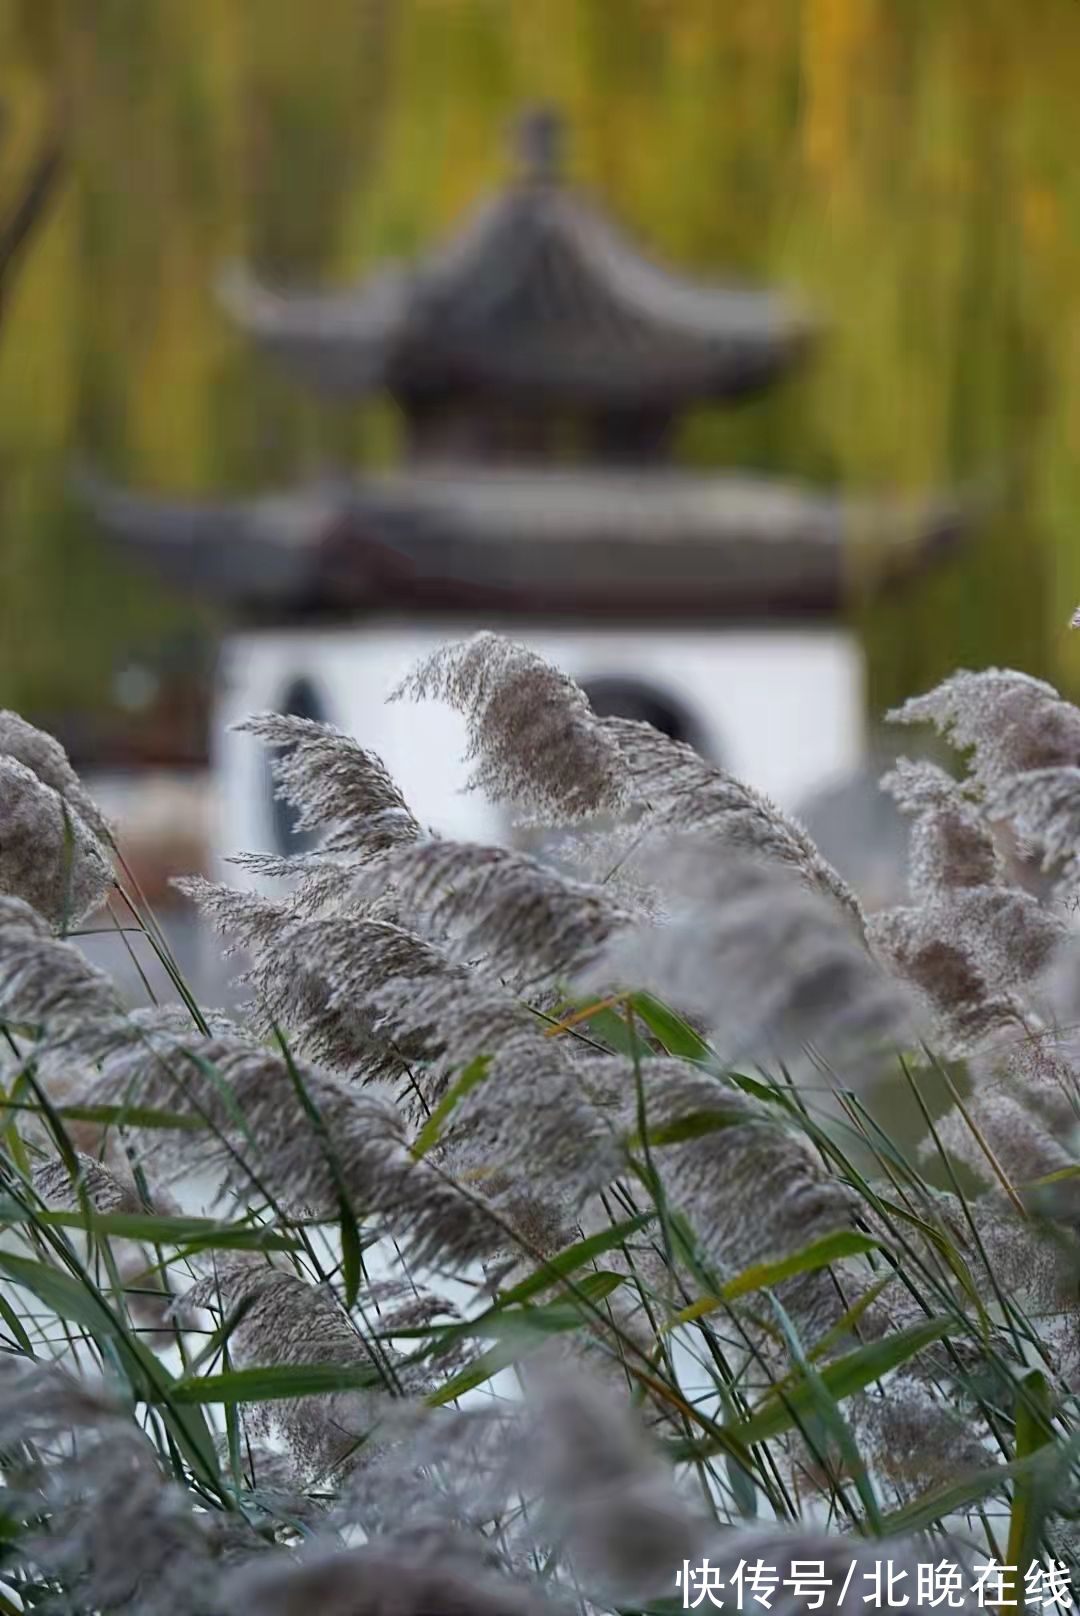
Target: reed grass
(524, 1243)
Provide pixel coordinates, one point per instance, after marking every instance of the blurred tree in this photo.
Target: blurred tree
(29, 204)
(906, 164)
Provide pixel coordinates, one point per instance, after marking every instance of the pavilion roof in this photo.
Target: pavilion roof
(533, 543)
(539, 297)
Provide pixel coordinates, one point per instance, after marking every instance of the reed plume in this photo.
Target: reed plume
(335, 785)
(340, 1143)
(1024, 745)
(102, 1521)
(48, 855)
(968, 938)
(523, 919)
(282, 1320)
(533, 737)
(43, 755)
(767, 964)
(540, 745)
(486, 1125)
(105, 1190)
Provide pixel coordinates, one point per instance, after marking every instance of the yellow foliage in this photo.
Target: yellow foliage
(907, 164)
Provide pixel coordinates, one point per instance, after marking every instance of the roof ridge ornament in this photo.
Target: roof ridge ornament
(539, 142)
(537, 300)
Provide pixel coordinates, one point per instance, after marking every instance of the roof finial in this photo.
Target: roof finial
(540, 144)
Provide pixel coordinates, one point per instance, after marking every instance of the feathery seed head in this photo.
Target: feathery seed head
(48, 855)
(605, 1495)
(1010, 721)
(531, 729)
(540, 745)
(380, 1580)
(44, 981)
(688, 797)
(767, 963)
(1025, 745)
(952, 846)
(1021, 1142)
(519, 916)
(934, 958)
(336, 785)
(105, 1190)
(43, 755)
(359, 1147)
(318, 880)
(751, 1187)
(968, 939)
(282, 1320)
(247, 919)
(110, 1526)
(322, 977)
(528, 1120)
(1043, 806)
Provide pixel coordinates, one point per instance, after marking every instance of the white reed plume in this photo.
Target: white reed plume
(259, 1129)
(607, 1500)
(281, 1319)
(380, 1579)
(943, 968)
(336, 785)
(320, 976)
(318, 881)
(372, 1000)
(605, 1497)
(687, 796)
(968, 938)
(248, 920)
(533, 1107)
(105, 1190)
(48, 854)
(1025, 754)
(952, 846)
(1021, 1120)
(45, 982)
(45, 757)
(540, 744)
(522, 918)
(1043, 806)
(578, 1489)
(533, 736)
(912, 1438)
(747, 1179)
(976, 946)
(1010, 722)
(765, 962)
(99, 1513)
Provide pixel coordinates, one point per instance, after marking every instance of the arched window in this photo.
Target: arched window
(631, 698)
(300, 700)
(618, 697)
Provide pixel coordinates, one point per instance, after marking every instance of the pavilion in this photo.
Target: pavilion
(541, 364)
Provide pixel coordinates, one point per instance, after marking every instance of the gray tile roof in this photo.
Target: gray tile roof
(538, 297)
(532, 542)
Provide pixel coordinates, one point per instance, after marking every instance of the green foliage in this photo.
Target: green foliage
(906, 164)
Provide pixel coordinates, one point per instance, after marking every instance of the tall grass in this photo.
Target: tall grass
(541, 1230)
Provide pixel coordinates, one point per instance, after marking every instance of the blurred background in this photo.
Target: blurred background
(906, 168)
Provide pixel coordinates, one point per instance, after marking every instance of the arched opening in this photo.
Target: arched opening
(618, 697)
(300, 699)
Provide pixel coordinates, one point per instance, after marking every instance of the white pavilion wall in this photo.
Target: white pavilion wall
(780, 708)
